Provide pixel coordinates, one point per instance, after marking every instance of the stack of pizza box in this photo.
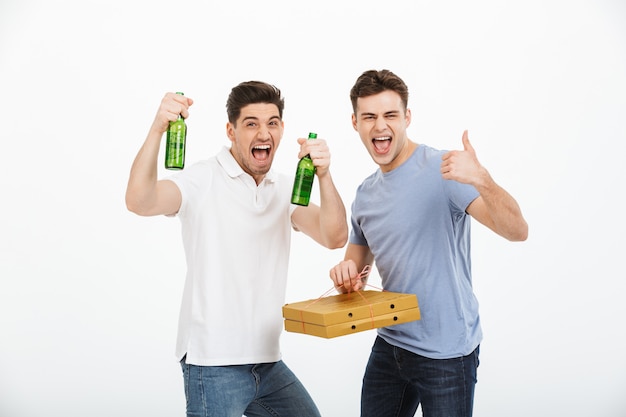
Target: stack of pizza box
(349, 313)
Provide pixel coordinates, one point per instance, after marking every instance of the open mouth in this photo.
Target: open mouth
(261, 152)
(382, 144)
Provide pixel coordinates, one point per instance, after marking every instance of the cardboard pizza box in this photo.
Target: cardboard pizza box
(350, 313)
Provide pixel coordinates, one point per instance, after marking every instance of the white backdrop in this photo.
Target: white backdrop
(89, 292)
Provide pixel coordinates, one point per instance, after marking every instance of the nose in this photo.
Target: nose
(380, 123)
(263, 132)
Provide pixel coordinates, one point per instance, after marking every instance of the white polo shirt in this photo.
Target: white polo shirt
(236, 237)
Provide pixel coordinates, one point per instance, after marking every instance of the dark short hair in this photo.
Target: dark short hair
(374, 81)
(250, 92)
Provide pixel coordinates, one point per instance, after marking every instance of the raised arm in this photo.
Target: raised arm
(326, 223)
(145, 194)
(495, 207)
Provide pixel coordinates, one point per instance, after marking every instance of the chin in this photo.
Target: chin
(262, 170)
(381, 159)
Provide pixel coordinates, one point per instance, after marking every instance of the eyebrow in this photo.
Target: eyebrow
(387, 113)
(275, 117)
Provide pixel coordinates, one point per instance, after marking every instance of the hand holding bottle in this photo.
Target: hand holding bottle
(315, 159)
(319, 153)
(172, 105)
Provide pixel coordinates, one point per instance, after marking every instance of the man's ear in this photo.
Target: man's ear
(230, 131)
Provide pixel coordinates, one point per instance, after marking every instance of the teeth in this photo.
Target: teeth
(262, 147)
(383, 138)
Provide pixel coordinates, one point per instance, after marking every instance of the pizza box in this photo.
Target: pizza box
(353, 312)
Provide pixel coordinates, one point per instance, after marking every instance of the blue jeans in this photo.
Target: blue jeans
(265, 389)
(396, 381)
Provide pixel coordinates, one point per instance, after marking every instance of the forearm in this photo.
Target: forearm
(142, 182)
(332, 217)
(504, 212)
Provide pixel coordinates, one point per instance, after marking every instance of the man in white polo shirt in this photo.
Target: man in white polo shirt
(236, 220)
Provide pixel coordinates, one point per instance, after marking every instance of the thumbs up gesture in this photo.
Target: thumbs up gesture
(462, 166)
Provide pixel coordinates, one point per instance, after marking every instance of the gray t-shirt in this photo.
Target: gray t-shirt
(415, 224)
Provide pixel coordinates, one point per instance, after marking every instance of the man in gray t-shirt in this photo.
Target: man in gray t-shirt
(412, 217)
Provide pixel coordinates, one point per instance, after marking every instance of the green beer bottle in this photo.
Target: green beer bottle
(175, 144)
(305, 173)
